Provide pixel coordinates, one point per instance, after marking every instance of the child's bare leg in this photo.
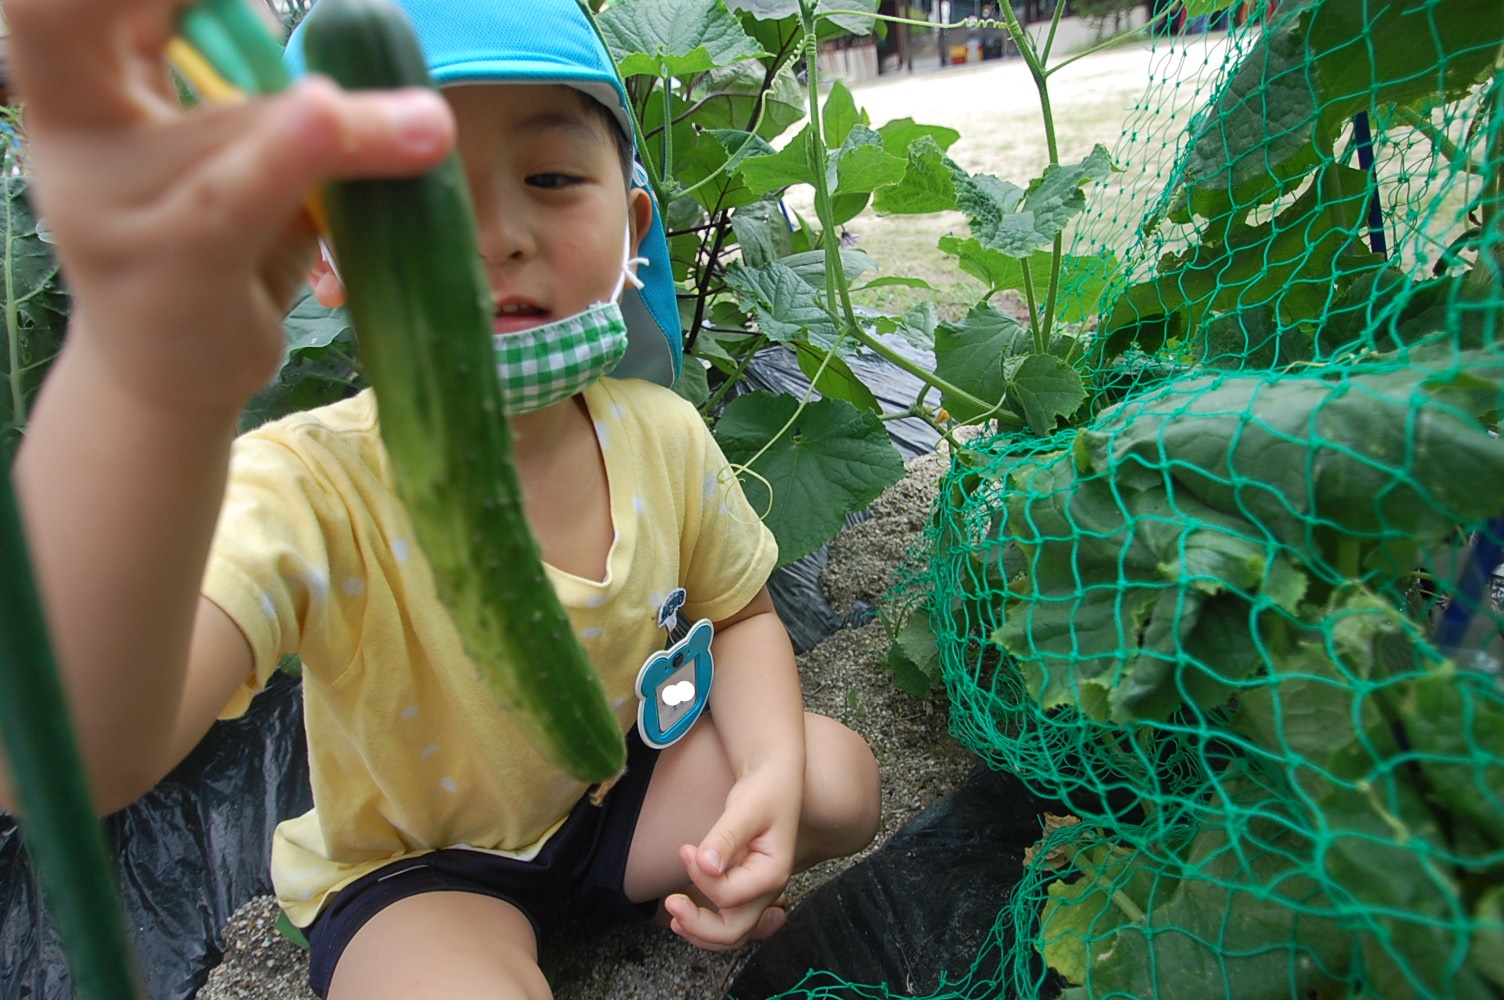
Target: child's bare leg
(445, 946)
(839, 814)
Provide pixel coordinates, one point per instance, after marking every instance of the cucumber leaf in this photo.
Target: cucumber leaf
(1303, 79)
(674, 37)
(928, 183)
(1018, 223)
(975, 354)
(38, 311)
(785, 305)
(832, 459)
(833, 378)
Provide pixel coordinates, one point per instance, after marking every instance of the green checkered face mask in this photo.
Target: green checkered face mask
(542, 365)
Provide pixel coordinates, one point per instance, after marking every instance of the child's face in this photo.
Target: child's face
(551, 204)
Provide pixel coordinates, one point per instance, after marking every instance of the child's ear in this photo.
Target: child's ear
(640, 212)
(327, 287)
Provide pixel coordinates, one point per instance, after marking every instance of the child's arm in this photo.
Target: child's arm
(181, 240)
(743, 864)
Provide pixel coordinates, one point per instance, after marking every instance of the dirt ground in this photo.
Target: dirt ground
(995, 108)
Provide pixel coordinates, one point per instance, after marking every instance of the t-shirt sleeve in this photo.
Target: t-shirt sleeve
(268, 566)
(726, 551)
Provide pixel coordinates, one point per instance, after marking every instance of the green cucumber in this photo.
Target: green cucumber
(421, 308)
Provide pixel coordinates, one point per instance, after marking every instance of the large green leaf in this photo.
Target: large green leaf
(674, 37)
(37, 311)
(927, 184)
(1379, 454)
(1208, 936)
(856, 24)
(1289, 100)
(832, 460)
(833, 378)
(315, 375)
(973, 356)
(1047, 389)
(320, 366)
(739, 145)
(731, 97)
(309, 324)
(773, 10)
(703, 157)
(838, 115)
(762, 232)
(693, 383)
(1020, 223)
(780, 34)
(786, 306)
(863, 164)
(901, 133)
(1083, 280)
(917, 325)
(1079, 913)
(766, 10)
(776, 171)
(810, 264)
(1422, 825)
(1293, 263)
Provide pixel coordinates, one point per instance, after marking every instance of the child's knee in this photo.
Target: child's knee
(843, 800)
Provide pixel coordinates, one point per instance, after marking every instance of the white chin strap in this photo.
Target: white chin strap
(628, 262)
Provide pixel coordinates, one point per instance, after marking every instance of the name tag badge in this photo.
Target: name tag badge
(673, 687)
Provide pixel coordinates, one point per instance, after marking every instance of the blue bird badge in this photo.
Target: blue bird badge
(668, 611)
(673, 687)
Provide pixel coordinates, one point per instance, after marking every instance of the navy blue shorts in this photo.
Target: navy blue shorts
(577, 874)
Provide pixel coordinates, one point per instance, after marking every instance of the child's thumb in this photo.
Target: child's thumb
(722, 848)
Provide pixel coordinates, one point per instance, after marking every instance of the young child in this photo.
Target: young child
(177, 564)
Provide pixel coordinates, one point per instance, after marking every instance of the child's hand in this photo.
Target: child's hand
(179, 232)
(743, 864)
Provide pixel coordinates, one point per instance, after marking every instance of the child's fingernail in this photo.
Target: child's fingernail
(419, 120)
(716, 864)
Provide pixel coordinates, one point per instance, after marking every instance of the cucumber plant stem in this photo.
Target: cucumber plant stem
(63, 834)
(1041, 77)
(838, 294)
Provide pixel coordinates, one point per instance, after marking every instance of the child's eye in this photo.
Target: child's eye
(553, 180)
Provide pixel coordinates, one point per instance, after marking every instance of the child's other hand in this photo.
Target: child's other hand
(180, 232)
(742, 866)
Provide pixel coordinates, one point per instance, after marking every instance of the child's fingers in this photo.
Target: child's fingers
(88, 62)
(315, 132)
(182, 185)
(756, 876)
(724, 847)
(366, 133)
(725, 929)
(771, 921)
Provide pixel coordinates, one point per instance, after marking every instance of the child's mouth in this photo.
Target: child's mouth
(511, 317)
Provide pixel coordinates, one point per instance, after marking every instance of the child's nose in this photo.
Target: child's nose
(505, 237)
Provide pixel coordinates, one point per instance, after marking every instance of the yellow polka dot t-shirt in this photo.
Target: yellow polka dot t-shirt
(408, 753)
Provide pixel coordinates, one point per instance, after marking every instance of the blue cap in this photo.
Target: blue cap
(553, 41)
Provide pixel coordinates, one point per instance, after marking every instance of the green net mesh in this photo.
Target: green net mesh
(1241, 620)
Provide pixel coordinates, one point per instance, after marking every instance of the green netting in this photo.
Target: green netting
(1241, 617)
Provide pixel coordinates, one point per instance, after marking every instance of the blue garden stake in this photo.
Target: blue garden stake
(1364, 137)
(1455, 633)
